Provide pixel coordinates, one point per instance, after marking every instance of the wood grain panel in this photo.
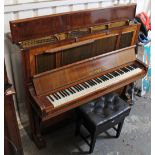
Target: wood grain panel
(45, 62)
(78, 71)
(126, 39)
(76, 54)
(36, 27)
(104, 45)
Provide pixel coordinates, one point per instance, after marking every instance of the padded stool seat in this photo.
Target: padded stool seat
(102, 114)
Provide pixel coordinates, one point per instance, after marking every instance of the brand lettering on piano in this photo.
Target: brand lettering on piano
(96, 71)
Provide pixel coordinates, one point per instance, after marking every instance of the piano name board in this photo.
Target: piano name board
(99, 70)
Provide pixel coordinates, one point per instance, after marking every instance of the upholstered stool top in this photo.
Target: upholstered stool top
(103, 109)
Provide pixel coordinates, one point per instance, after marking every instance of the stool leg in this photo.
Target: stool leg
(119, 128)
(92, 143)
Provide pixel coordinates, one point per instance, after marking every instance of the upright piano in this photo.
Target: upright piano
(71, 58)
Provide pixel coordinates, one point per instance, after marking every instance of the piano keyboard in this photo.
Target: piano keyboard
(92, 85)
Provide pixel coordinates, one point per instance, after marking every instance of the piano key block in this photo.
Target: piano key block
(128, 72)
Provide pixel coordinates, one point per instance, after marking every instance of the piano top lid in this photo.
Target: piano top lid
(37, 27)
(58, 78)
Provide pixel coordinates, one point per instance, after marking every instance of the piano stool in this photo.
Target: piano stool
(100, 115)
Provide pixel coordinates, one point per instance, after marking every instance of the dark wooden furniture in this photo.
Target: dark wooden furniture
(58, 51)
(100, 115)
(12, 140)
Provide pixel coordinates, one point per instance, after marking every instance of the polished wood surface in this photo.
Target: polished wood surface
(56, 50)
(47, 57)
(77, 73)
(43, 26)
(72, 73)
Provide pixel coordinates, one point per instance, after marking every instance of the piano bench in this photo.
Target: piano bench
(100, 115)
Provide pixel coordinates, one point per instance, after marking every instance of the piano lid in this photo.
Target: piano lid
(37, 27)
(51, 80)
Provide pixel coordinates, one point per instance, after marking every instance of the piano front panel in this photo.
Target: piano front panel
(80, 70)
(126, 39)
(104, 45)
(45, 62)
(76, 54)
(41, 61)
(83, 52)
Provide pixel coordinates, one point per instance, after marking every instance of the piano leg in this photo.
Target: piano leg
(37, 135)
(128, 93)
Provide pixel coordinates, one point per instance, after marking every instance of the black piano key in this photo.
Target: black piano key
(94, 81)
(66, 92)
(98, 80)
(76, 88)
(124, 69)
(55, 96)
(61, 93)
(117, 74)
(110, 76)
(113, 74)
(130, 68)
(104, 78)
(51, 98)
(70, 90)
(81, 87)
(134, 66)
(90, 83)
(101, 79)
(120, 71)
(83, 84)
(87, 84)
(127, 69)
(73, 90)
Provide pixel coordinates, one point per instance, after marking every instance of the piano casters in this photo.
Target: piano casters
(129, 93)
(37, 134)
